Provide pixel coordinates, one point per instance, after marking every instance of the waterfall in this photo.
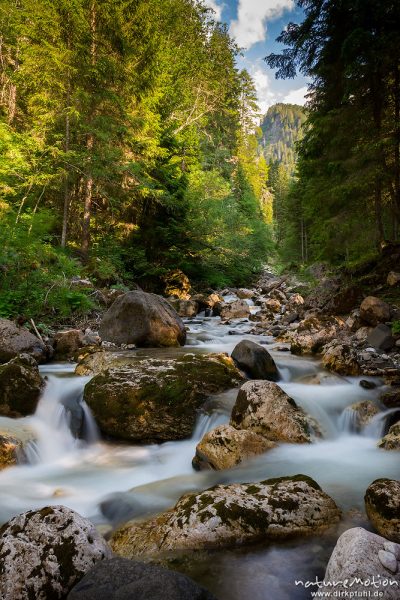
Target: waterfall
(61, 416)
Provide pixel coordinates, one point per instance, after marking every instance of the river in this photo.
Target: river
(110, 482)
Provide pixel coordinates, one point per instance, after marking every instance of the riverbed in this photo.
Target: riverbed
(110, 482)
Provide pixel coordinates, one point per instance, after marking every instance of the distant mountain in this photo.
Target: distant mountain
(281, 129)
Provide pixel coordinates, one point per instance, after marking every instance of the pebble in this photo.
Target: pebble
(392, 548)
(388, 560)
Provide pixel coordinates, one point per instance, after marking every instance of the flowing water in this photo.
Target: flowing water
(110, 483)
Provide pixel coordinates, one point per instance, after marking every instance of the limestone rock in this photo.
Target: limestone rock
(15, 340)
(67, 343)
(263, 407)
(381, 338)
(244, 294)
(239, 309)
(177, 284)
(374, 311)
(341, 358)
(391, 398)
(44, 553)
(144, 320)
(225, 447)
(391, 441)
(122, 579)
(255, 360)
(357, 559)
(234, 514)
(313, 334)
(14, 439)
(273, 305)
(393, 278)
(150, 399)
(382, 503)
(20, 386)
(184, 308)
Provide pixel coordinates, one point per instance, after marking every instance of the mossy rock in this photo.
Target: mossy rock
(229, 515)
(14, 439)
(149, 399)
(20, 387)
(382, 504)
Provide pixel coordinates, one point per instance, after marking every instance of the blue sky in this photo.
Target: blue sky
(255, 25)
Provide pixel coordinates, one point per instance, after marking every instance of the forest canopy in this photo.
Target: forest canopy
(345, 200)
(128, 148)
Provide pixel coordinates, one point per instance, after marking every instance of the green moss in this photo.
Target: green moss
(292, 478)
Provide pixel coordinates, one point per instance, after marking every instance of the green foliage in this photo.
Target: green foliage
(282, 128)
(129, 122)
(35, 276)
(345, 200)
(396, 327)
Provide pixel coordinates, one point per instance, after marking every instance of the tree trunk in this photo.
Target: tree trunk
(87, 211)
(66, 183)
(380, 235)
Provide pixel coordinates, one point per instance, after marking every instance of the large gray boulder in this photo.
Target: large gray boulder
(255, 360)
(44, 553)
(263, 407)
(15, 340)
(381, 338)
(149, 399)
(123, 579)
(225, 447)
(363, 563)
(382, 504)
(146, 320)
(20, 386)
(231, 515)
(374, 311)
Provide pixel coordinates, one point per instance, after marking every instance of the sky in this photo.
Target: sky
(255, 25)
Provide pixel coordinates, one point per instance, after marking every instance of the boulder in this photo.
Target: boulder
(149, 399)
(374, 311)
(205, 301)
(381, 338)
(391, 398)
(123, 579)
(360, 414)
(144, 320)
(244, 294)
(177, 284)
(313, 334)
(363, 563)
(263, 407)
(225, 447)
(14, 439)
(44, 553)
(15, 340)
(341, 358)
(382, 504)
(255, 360)
(239, 309)
(393, 278)
(273, 305)
(67, 343)
(20, 386)
(391, 441)
(232, 515)
(184, 308)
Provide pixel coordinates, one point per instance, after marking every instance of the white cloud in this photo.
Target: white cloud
(251, 25)
(217, 8)
(266, 97)
(296, 96)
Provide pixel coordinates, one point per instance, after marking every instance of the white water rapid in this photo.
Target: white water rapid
(110, 482)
